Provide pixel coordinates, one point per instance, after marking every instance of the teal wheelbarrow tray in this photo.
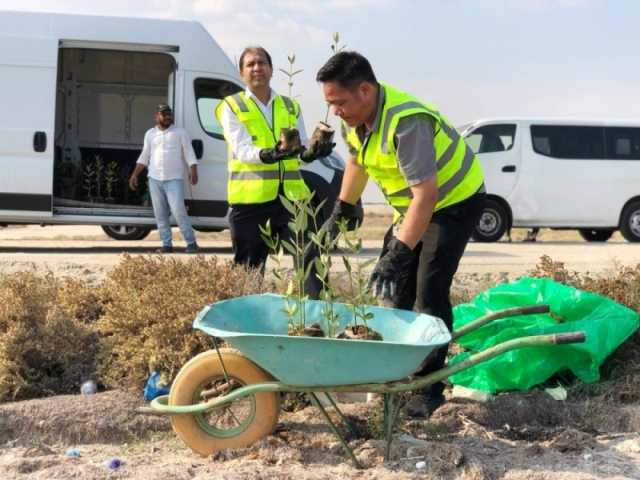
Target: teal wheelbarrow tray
(228, 398)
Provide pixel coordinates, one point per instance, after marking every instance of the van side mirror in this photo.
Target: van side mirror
(198, 148)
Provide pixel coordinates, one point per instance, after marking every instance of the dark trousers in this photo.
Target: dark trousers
(249, 247)
(438, 255)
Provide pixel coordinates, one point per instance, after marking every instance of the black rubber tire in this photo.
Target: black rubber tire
(126, 232)
(493, 222)
(630, 222)
(596, 234)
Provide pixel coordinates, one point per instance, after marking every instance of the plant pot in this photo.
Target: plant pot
(289, 139)
(323, 133)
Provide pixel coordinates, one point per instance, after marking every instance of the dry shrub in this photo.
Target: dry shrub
(80, 300)
(44, 348)
(149, 307)
(621, 371)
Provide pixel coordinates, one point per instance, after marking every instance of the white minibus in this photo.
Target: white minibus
(559, 173)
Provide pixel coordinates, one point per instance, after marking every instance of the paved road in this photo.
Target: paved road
(86, 251)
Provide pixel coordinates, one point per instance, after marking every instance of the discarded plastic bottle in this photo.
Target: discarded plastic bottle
(154, 388)
(88, 388)
(72, 452)
(113, 463)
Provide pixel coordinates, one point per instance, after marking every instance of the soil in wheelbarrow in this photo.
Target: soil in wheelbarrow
(359, 332)
(352, 332)
(314, 330)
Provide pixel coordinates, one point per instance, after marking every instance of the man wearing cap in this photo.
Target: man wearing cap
(427, 173)
(260, 171)
(166, 151)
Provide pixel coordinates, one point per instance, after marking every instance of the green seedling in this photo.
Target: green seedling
(110, 178)
(88, 179)
(99, 169)
(291, 72)
(335, 48)
(297, 246)
(360, 292)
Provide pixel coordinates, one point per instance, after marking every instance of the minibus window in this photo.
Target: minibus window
(623, 143)
(209, 93)
(567, 141)
(492, 138)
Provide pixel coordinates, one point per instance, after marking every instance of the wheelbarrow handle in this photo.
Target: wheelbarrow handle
(571, 337)
(490, 317)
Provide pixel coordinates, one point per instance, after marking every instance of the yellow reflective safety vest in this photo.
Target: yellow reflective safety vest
(458, 176)
(259, 183)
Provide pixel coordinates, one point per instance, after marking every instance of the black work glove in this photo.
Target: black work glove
(392, 271)
(316, 151)
(274, 155)
(343, 211)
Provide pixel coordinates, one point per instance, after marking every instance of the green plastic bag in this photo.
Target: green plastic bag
(606, 323)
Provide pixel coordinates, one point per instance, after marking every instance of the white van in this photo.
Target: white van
(564, 174)
(78, 93)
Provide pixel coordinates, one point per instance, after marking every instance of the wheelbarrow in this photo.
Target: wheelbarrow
(230, 398)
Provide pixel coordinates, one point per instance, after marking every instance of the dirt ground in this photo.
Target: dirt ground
(86, 252)
(514, 437)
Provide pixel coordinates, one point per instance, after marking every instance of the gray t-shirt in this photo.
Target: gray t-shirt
(414, 148)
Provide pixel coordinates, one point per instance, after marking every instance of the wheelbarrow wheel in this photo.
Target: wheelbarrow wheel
(238, 424)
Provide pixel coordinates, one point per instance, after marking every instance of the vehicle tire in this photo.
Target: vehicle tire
(630, 222)
(493, 222)
(126, 232)
(596, 234)
(239, 424)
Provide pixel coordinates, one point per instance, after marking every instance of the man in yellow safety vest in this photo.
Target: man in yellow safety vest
(260, 170)
(429, 176)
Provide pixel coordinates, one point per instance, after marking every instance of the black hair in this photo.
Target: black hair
(254, 49)
(348, 69)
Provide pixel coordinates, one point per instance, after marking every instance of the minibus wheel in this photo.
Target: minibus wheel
(630, 222)
(493, 222)
(596, 234)
(126, 232)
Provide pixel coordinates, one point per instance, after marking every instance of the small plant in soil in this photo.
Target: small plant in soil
(324, 242)
(359, 290)
(88, 180)
(298, 247)
(290, 137)
(99, 169)
(335, 48)
(110, 179)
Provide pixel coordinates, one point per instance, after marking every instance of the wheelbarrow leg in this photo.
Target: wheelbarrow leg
(334, 429)
(344, 419)
(390, 411)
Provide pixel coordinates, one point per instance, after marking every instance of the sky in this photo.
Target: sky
(472, 58)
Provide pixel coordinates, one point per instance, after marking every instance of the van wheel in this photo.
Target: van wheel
(126, 232)
(493, 222)
(630, 222)
(596, 234)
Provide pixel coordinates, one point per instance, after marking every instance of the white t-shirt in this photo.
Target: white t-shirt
(238, 136)
(165, 153)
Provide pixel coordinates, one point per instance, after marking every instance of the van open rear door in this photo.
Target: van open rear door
(28, 99)
(202, 93)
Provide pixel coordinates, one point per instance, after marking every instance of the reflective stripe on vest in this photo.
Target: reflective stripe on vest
(458, 171)
(259, 183)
